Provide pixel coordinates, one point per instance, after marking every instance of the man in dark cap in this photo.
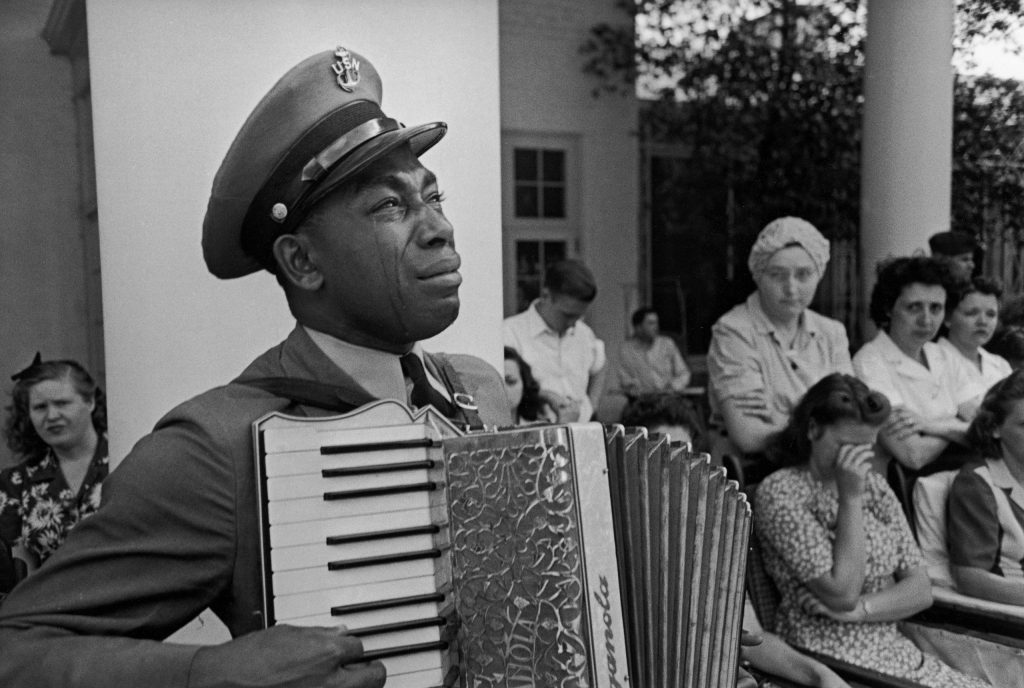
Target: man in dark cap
(958, 249)
(327, 193)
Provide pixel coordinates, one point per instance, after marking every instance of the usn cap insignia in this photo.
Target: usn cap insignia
(346, 68)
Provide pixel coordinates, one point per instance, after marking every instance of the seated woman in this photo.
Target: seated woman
(931, 390)
(972, 313)
(836, 543)
(524, 391)
(985, 508)
(57, 424)
(766, 352)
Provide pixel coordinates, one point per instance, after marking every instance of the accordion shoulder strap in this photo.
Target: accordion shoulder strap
(310, 393)
(466, 409)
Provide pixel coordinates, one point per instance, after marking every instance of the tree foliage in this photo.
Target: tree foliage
(769, 95)
(988, 158)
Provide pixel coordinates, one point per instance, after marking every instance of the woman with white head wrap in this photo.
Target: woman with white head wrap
(767, 351)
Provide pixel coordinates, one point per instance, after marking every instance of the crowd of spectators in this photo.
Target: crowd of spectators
(833, 444)
(814, 433)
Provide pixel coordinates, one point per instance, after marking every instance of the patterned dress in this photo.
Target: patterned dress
(795, 519)
(38, 508)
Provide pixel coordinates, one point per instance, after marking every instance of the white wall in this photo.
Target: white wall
(42, 299)
(545, 91)
(172, 81)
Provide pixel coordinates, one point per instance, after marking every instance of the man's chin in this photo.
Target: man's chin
(437, 319)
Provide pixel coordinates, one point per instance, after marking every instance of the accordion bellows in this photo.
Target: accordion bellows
(563, 555)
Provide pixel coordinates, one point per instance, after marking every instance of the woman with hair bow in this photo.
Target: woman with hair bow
(57, 425)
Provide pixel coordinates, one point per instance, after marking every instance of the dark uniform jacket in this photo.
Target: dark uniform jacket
(177, 532)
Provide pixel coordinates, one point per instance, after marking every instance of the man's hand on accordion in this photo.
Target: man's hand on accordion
(287, 657)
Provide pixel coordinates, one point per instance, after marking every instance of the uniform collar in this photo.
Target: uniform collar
(378, 372)
(1001, 478)
(894, 355)
(988, 359)
(763, 325)
(951, 349)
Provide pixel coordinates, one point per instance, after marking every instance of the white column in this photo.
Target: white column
(906, 162)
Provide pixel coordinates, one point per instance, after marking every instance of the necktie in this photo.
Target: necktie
(423, 392)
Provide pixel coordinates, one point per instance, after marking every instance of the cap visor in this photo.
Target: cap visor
(419, 138)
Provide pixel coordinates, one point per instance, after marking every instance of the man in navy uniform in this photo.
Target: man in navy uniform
(328, 193)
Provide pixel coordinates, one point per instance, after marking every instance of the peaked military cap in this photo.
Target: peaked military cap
(952, 243)
(319, 125)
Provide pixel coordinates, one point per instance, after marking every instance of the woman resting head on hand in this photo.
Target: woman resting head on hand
(56, 424)
(985, 511)
(835, 540)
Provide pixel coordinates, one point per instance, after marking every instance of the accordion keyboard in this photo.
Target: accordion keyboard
(356, 535)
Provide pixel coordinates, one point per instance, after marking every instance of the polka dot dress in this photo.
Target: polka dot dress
(795, 520)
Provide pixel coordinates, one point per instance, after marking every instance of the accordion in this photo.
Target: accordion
(548, 555)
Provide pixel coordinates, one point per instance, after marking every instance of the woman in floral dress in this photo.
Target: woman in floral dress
(836, 543)
(56, 423)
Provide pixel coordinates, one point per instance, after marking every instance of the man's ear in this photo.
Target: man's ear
(294, 263)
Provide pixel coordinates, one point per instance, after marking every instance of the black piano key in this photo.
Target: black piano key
(404, 650)
(379, 491)
(343, 564)
(387, 604)
(383, 534)
(398, 626)
(378, 446)
(378, 468)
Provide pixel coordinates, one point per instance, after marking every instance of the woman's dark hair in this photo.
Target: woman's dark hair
(896, 274)
(834, 398)
(19, 432)
(992, 413)
(651, 410)
(530, 405)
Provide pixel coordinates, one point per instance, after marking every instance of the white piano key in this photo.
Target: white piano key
(420, 679)
(315, 485)
(311, 509)
(299, 438)
(317, 531)
(300, 463)
(305, 556)
(305, 580)
(309, 603)
(407, 664)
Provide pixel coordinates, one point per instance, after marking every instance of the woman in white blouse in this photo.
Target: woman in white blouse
(931, 390)
(972, 313)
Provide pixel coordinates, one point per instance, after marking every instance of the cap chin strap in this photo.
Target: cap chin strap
(322, 162)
